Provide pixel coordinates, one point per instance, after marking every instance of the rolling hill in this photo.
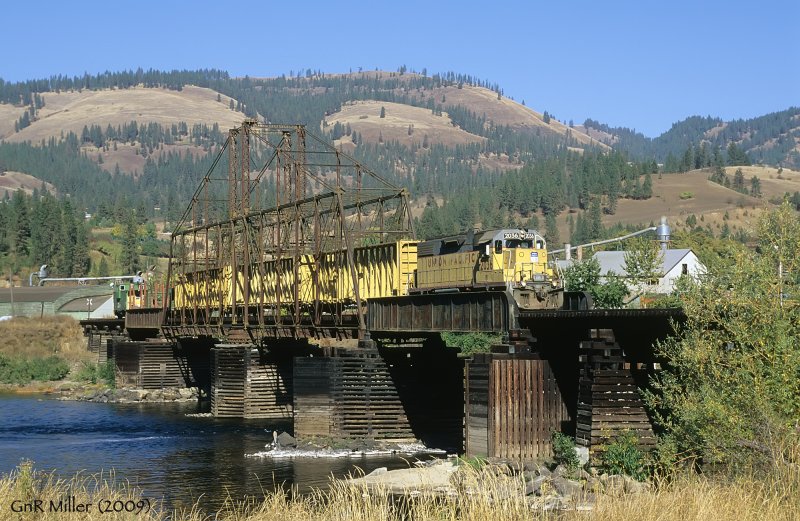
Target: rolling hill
(450, 130)
(771, 139)
(13, 181)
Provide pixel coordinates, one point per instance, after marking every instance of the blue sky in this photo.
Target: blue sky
(641, 64)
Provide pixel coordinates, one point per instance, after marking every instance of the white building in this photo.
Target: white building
(674, 263)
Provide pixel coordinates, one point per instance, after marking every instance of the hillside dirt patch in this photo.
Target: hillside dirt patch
(11, 181)
(712, 204)
(364, 118)
(9, 114)
(505, 111)
(130, 159)
(773, 184)
(71, 111)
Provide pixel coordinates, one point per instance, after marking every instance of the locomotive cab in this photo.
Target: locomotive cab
(512, 258)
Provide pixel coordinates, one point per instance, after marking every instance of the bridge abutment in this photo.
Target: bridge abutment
(158, 364)
(385, 392)
(513, 404)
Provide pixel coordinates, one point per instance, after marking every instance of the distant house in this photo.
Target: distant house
(674, 264)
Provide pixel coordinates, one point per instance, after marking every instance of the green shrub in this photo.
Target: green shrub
(728, 388)
(475, 462)
(470, 343)
(564, 451)
(622, 456)
(107, 373)
(94, 373)
(686, 195)
(19, 371)
(87, 372)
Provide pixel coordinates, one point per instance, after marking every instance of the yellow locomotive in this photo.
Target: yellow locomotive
(514, 260)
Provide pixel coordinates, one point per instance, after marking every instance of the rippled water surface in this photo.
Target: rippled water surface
(157, 447)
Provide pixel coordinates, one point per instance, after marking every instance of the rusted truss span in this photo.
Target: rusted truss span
(272, 261)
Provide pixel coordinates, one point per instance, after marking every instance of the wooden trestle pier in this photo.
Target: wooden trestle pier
(287, 297)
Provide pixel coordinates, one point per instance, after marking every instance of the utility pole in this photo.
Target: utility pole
(11, 286)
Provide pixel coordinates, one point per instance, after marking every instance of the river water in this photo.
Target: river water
(170, 456)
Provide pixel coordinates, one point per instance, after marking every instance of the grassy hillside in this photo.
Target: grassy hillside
(441, 136)
(39, 338)
(71, 111)
(12, 181)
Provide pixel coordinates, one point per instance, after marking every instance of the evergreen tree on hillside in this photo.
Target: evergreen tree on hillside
(737, 156)
(81, 261)
(647, 187)
(129, 261)
(21, 223)
(102, 268)
(755, 186)
(595, 220)
(551, 230)
(67, 257)
(738, 180)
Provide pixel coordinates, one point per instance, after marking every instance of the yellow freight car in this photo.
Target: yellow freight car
(383, 270)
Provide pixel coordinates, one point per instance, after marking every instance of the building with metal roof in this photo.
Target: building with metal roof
(674, 263)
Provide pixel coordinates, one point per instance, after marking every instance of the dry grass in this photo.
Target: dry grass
(364, 118)
(479, 100)
(506, 111)
(70, 111)
(482, 496)
(29, 338)
(773, 184)
(24, 485)
(12, 181)
(9, 114)
(701, 499)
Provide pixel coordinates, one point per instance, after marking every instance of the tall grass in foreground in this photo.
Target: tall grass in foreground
(482, 495)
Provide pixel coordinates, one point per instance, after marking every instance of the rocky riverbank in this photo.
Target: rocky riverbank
(543, 488)
(284, 446)
(126, 394)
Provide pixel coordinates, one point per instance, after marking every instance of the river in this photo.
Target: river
(170, 456)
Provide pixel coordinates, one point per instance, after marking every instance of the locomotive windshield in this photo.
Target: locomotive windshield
(523, 239)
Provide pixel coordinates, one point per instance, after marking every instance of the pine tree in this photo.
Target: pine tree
(755, 186)
(738, 180)
(81, 261)
(647, 187)
(66, 257)
(102, 268)
(570, 226)
(21, 223)
(551, 229)
(130, 244)
(595, 220)
(383, 112)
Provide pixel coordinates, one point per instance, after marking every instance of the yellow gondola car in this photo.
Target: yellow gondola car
(383, 270)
